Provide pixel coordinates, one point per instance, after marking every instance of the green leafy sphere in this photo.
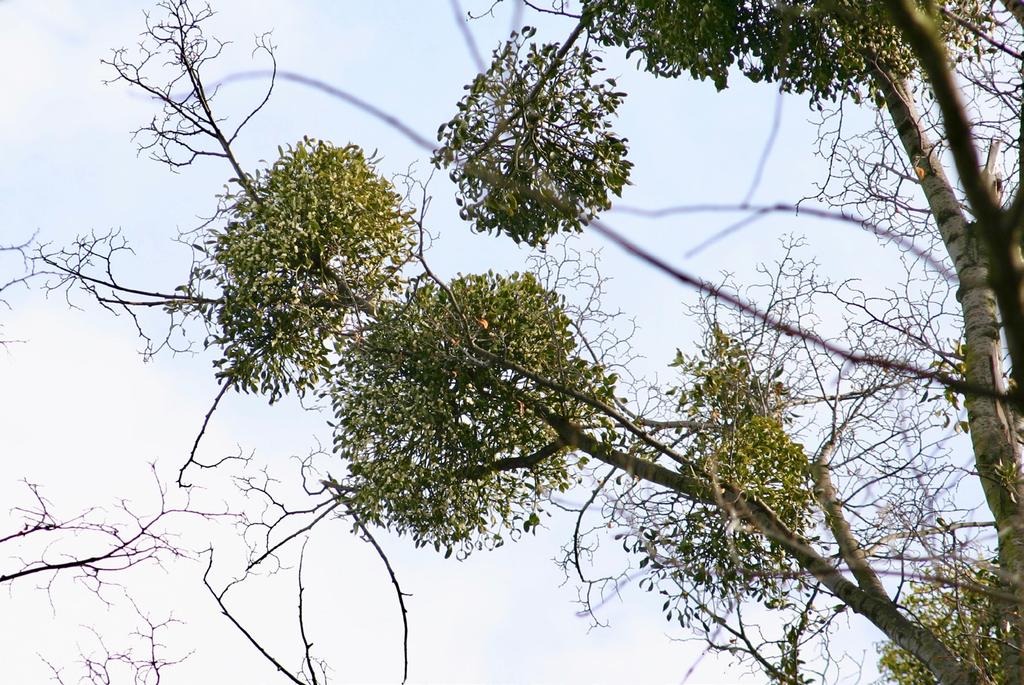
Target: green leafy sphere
(314, 241)
(741, 442)
(435, 421)
(532, 150)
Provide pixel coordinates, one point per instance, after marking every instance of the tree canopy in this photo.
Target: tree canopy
(787, 469)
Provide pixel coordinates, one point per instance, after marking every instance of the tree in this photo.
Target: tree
(805, 471)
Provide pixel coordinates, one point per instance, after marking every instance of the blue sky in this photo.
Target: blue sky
(83, 414)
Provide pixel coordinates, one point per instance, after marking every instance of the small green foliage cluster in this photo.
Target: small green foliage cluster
(532, 150)
(426, 416)
(949, 404)
(315, 239)
(964, 615)
(806, 46)
(741, 442)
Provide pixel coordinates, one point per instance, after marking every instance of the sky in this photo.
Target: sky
(84, 415)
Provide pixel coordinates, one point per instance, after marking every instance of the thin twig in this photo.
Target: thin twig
(360, 104)
(202, 431)
(398, 591)
(219, 598)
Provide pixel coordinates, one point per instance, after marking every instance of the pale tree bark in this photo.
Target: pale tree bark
(850, 549)
(992, 432)
(973, 248)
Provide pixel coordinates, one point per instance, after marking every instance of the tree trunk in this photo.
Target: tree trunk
(992, 430)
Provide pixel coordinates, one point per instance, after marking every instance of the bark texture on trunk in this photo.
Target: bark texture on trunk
(993, 431)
